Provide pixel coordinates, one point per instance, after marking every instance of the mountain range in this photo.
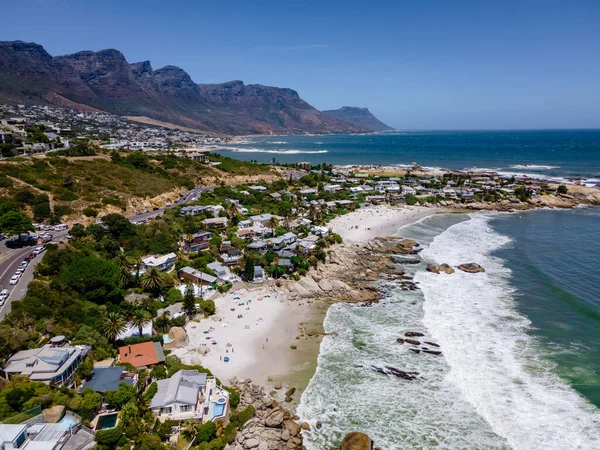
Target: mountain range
(105, 81)
(361, 117)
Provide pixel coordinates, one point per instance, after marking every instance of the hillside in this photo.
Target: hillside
(361, 117)
(104, 80)
(79, 189)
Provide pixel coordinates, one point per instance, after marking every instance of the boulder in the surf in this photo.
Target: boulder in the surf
(471, 268)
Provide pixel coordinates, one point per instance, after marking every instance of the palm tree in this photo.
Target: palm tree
(272, 224)
(153, 280)
(140, 318)
(233, 211)
(126, 268)
(114, 325)
(162, 321)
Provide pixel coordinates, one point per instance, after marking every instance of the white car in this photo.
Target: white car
(19, 271)
(3, 296)
(24, 264)
(38, 250)
(14, 279)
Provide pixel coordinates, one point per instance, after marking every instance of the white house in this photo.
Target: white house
(332, 188)
(161, 262)
(188, 394)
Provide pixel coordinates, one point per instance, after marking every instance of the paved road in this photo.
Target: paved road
(10, 259)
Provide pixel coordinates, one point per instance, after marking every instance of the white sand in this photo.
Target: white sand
(250, 355)
(377, 221)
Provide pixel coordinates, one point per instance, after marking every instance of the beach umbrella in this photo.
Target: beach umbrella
(226, 359)
(229, 345)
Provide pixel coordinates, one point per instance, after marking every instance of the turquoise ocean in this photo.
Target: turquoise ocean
(520, 343)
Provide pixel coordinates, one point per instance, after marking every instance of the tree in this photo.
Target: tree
(120, 397)
(272, 224)
(114, 325)
(189, 300)
(562, 189)
(95, 278)
(139, 318)
(126, 267)
(154, 281)
(14, 223)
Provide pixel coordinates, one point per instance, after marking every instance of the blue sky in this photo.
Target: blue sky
(418, 64)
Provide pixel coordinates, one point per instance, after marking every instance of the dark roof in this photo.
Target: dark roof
(106, 379)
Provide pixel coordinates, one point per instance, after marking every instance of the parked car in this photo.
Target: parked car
(156, 208)
(14, 279)
(38, 250)
(138, 213)
(20, 271)
(3, 295)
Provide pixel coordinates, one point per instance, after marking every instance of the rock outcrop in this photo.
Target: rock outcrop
(272, 428)
(471, 268)
(53, 414)
(357, 441)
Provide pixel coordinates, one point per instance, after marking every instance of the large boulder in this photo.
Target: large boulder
(471, 268)
(432, 268)
(310, 285)
(301, 290)
(178, 336)
(446, 268)
(251, 443)
(275, 419)
(340, 285)
(357, 441)
(203, 349)
(53, 414)
(292, 427)
(325, 285)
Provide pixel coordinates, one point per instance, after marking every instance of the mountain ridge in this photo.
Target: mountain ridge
(105, 81)
(358, 116)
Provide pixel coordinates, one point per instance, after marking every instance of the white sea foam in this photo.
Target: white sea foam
(274, 151)
(492, 359)
(533, 167)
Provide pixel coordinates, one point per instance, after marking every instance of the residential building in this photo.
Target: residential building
(259, 246)
(332, 188)
(217, 222)
(195, 276)
(189, 394)
(160, 262)
(196, 242)
(145, 354)
(308, 191)
(53, 363)
(258, 188)
(12, 437)
(262, 219)
(105, 379)
(132, 330)
(223, 273)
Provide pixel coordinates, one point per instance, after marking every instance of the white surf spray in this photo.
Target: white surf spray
(492, 360)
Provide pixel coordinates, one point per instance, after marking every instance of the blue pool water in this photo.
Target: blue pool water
(217, 410)
(166, 339)
(67, 423)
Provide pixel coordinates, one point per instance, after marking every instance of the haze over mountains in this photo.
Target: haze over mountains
(105, 81)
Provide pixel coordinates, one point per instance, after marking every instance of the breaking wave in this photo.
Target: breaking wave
(493, 361)
(274, 151)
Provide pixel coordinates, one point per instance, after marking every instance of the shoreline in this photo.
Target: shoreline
(290, 319)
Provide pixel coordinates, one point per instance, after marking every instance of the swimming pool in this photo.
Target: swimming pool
(107, 421)
(66, 423)
(166, 339)
(217, 410)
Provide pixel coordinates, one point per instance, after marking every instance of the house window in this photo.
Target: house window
(185, 408)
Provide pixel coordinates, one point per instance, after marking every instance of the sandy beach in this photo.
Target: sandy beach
(254, 328)
(377, 221)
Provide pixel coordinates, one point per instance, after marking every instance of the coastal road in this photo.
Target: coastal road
(10, 259)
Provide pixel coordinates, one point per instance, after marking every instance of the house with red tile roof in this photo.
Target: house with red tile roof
(142, 355)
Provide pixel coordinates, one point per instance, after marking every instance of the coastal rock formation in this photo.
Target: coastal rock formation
(413, 334)
(272, 428)
(178, 336)
(388, 370)
(471, 268)
(408, 341)
(446, 268)
(432, 268)
(357, 441)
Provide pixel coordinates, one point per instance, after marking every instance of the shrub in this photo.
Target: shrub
(562, 189)
(90, 212)
(62, 210)
(109, 437)
(241, 417)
